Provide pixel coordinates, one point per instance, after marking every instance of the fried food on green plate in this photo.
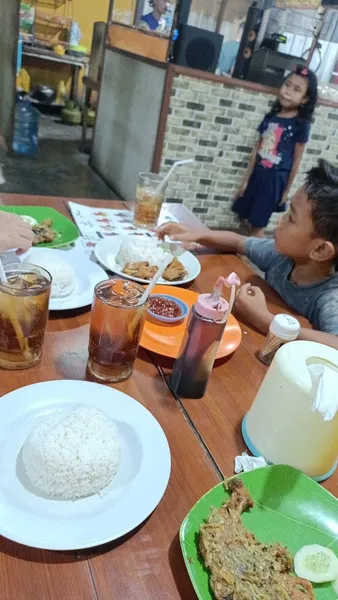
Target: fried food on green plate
(241, 567)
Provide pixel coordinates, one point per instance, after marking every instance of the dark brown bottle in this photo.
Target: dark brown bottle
(200, 344)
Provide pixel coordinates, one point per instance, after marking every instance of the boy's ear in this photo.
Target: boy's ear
(323, 251)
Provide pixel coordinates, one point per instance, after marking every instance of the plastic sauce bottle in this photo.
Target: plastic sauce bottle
(26, 127)
(202, 337)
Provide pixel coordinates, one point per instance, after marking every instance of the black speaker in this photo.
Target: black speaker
(248, 42)
(197, 48)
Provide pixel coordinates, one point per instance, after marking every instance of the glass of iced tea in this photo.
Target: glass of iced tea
(116, 325)
(24, 303)
(148, 203)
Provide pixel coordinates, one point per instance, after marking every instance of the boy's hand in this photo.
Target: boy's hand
(15, 233)
(251, 306)
(180, 233)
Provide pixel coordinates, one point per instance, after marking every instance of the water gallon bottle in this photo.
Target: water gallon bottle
(26, 128)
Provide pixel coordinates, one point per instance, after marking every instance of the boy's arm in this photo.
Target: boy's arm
(311, 335)
(299, 151)
(251, 306)
(226, 241)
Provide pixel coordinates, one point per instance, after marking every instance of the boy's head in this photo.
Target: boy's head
(309, 231)
(160, 5)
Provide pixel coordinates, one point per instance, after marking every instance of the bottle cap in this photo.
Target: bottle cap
(285, 327)
(212, 306)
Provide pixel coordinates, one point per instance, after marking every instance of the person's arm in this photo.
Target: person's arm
(15, 233)
(250, 169)
(311, 335)
(220, 240)
(226, 241)
(252, 308)
(299, 151)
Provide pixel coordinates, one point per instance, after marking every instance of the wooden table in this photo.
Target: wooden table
(204, 437)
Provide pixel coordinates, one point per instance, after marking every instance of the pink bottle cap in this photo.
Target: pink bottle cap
(212, 306)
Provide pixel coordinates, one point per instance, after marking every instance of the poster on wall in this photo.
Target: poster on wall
(306, 4)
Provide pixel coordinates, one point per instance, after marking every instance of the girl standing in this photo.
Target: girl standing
(275, 160)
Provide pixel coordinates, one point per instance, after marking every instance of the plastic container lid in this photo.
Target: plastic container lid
(285, 327)
(209, 309)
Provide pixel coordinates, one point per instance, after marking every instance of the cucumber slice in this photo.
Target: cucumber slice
(316, 563)
(335, 586)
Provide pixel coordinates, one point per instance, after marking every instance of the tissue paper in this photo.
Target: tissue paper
(325, 386)
(248, 463)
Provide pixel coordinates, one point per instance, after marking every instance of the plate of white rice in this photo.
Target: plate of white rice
(116, 252)
(81, 464)
(74, 275)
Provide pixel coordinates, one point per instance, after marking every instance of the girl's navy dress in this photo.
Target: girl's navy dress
(270, 176)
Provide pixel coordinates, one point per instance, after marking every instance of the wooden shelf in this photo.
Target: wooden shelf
(50, 3)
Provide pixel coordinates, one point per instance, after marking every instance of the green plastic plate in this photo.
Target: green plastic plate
(290, 508)
(66, 229)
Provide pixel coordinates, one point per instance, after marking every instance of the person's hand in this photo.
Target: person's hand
(251, 306)
(242, 189)
(15, 233)
(180, 233)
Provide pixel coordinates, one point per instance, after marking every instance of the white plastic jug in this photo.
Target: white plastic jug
(281, 425)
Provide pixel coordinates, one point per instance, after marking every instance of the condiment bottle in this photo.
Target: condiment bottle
(203, 334)
(283, 329)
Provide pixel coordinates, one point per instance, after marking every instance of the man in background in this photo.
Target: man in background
(229, 53)
(153, 21)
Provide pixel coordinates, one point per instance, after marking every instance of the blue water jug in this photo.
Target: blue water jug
(26, 129)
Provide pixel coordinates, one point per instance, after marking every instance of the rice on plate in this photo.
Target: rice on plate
(135, 249)
(72, 453)
(63, 274)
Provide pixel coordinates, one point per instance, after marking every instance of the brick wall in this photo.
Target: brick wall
(216, 124)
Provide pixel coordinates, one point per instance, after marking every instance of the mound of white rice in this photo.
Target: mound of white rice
(134, 249)
(63, 274)
(72, 453)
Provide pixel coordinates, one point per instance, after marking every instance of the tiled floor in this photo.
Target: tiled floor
(60, 169)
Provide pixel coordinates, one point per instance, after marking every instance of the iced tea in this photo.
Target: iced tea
(23, 315)
(148, 203)
(116, 326)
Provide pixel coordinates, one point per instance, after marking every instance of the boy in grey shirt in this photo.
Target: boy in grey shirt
(300, 263)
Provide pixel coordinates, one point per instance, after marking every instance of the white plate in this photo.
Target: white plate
(135, 492)
(88, 274)
(106, 251)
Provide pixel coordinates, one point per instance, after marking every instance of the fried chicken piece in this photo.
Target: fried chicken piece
(242, 568)
(43, 232)
(142, 270)
(175, 271)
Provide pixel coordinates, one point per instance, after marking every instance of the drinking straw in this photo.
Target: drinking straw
(3, 276)
(23, 342)
(155, 279)
(134, 323)
(231, 281)
(178, 163)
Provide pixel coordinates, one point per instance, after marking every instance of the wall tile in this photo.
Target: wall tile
(217, 125)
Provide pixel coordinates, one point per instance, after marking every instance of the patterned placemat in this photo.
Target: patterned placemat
(96, 224)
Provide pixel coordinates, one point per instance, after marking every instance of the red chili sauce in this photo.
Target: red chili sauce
(164, 307)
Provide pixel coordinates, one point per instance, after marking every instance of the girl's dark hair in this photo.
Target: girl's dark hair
(321, 187)
(306, 110)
